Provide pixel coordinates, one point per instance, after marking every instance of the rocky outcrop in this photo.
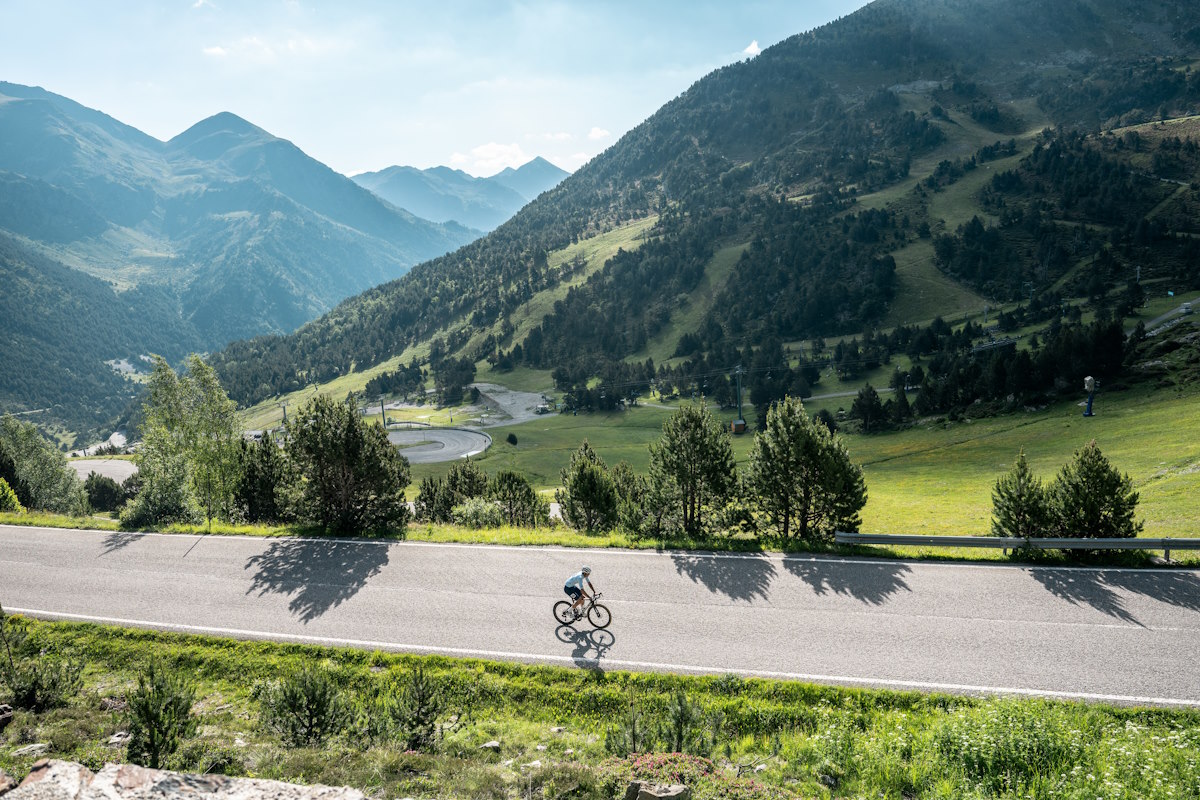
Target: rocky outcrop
(643, 790)
(63, 780)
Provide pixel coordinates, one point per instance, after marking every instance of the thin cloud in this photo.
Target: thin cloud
(258, 50)
(752, 49)
(490, 158)
(596, 134)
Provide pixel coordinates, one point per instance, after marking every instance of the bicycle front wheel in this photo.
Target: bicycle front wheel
(598, 615)
(563, 613)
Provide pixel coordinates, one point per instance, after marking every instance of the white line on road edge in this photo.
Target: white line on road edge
(600, 552)
(637, 665)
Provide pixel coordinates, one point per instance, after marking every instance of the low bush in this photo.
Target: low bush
(304, 708)
(160, 716)
(8, 498)
(36, 680)
(478, 513)
(103, 493)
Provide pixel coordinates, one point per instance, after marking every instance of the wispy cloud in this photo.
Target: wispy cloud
(752, 49)
(259, 50)
(490, 158)
(596, 134)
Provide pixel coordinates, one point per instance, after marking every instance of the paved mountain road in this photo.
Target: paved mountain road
(1120, 635)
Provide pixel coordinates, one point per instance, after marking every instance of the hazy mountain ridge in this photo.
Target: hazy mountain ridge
(243, 232)
(443, 194)
(815, 119)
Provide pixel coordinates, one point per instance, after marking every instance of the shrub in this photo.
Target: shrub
(304, 708)
(407, 710)
(417, 712)
(8, 498)
(208, 758)
(1005, 745)
(1090, 498)
(519, 503)
(160, 716)
(434, 501)
(466, 480)
(477, 513)
(36, 681)
(587, 497)
(630, 735)
(1020, 505)
(511, 439)
(103, 493)
(686, 728)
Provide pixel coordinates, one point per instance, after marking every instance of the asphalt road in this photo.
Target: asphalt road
(433, 445)
(1126, 636)
(116, 468)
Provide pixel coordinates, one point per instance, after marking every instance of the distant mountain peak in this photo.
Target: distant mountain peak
(223, 125)
(531, 178)
(444, 193)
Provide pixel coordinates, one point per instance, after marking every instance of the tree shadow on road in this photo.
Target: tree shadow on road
(590, 646)
(118, 540)
(737, 577)
(873, 583)
(317, 574)
(1102, 590)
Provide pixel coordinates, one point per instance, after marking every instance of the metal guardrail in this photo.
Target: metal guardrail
(1166, 544)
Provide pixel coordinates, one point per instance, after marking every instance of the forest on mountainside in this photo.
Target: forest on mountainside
(775, 152)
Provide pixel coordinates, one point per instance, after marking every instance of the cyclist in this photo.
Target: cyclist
(574, 588)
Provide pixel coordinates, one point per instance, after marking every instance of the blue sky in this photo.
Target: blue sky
(365, 85)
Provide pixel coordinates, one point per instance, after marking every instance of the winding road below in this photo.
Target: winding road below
(1114, 635)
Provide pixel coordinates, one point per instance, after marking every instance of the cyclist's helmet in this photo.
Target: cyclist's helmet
(586, 570)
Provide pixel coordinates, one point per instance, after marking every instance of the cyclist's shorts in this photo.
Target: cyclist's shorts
(574, 591)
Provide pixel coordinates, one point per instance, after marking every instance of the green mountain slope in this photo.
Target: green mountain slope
(824, 156)
(236, 233)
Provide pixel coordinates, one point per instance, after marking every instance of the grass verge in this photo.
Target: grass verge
(790, 739)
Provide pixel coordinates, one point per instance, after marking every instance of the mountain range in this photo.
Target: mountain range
(224, 232)
(883, 169)
(443, 194)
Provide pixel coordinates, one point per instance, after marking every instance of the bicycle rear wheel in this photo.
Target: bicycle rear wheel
(563, 613)
(598, 615)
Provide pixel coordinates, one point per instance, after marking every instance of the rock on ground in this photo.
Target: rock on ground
(63, 780)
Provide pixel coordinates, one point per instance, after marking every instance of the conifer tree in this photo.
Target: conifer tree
(1020, 503)
(802, 476)
(1090, 498)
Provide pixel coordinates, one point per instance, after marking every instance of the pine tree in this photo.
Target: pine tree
(1090, 498)
(691, 466)
(588, 497)
(802, 475)
(1020, 503)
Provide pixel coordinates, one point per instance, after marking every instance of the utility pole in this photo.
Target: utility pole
(383, 411)
(739, 425)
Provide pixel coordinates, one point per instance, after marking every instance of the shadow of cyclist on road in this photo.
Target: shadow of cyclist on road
(590, 646)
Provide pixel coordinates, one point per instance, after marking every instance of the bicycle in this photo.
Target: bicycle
(596, 613)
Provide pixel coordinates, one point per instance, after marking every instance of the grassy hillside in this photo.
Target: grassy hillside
(836, 158)
(937, 477)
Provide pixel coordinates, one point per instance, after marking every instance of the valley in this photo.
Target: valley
(930, 268)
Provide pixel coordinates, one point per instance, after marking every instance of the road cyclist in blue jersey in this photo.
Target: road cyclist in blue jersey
(574, 588)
